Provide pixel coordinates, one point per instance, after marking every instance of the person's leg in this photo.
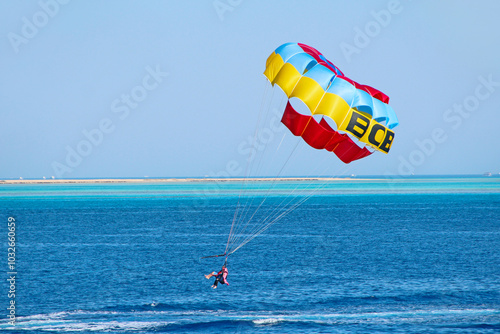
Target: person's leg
(210, 275)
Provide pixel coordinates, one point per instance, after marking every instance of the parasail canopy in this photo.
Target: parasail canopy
(361, 114)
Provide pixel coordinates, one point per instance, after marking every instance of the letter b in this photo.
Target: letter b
(360, 38)
(94, 136)
(405, 168)
(50, 7)
(427, 146)
(383, 17)
(72, 158)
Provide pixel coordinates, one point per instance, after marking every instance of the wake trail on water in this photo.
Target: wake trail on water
(162, 318)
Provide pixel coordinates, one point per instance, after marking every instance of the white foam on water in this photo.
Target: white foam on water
(417, 316)
(62, 314)
(42, 316)
(71, 322)
(94, 326)
(267, 322)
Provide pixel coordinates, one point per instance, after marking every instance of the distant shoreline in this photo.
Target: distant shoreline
(172, 180)
(177, 180)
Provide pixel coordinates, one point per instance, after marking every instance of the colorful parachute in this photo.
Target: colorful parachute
(361, 113)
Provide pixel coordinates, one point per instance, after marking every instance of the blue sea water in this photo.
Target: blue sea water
(359, 256)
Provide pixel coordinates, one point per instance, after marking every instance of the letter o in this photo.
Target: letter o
(266, 136)
(40, 19)
(471, 103)
(139, 93)
(84, 148)
(370, 32)
(416, 158)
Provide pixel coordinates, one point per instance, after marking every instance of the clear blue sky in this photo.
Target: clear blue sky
(192, 71)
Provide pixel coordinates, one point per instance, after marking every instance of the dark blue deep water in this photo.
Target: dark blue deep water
(407, 256)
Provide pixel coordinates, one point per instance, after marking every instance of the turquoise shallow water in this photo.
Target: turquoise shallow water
(404, 255)
(465, 185)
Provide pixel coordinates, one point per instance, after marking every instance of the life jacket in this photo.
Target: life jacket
(221, 275)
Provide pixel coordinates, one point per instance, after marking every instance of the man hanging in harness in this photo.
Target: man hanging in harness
(220, 277)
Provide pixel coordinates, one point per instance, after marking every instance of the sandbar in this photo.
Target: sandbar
(174, 180)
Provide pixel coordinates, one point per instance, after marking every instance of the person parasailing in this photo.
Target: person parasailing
(220, 277)
(335, 114)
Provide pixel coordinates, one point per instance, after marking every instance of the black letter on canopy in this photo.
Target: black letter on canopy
(386, 144)
(373, 133)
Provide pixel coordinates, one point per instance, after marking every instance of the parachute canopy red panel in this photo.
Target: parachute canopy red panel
(362, 115)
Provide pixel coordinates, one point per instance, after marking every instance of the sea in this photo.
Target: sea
(362, 255)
